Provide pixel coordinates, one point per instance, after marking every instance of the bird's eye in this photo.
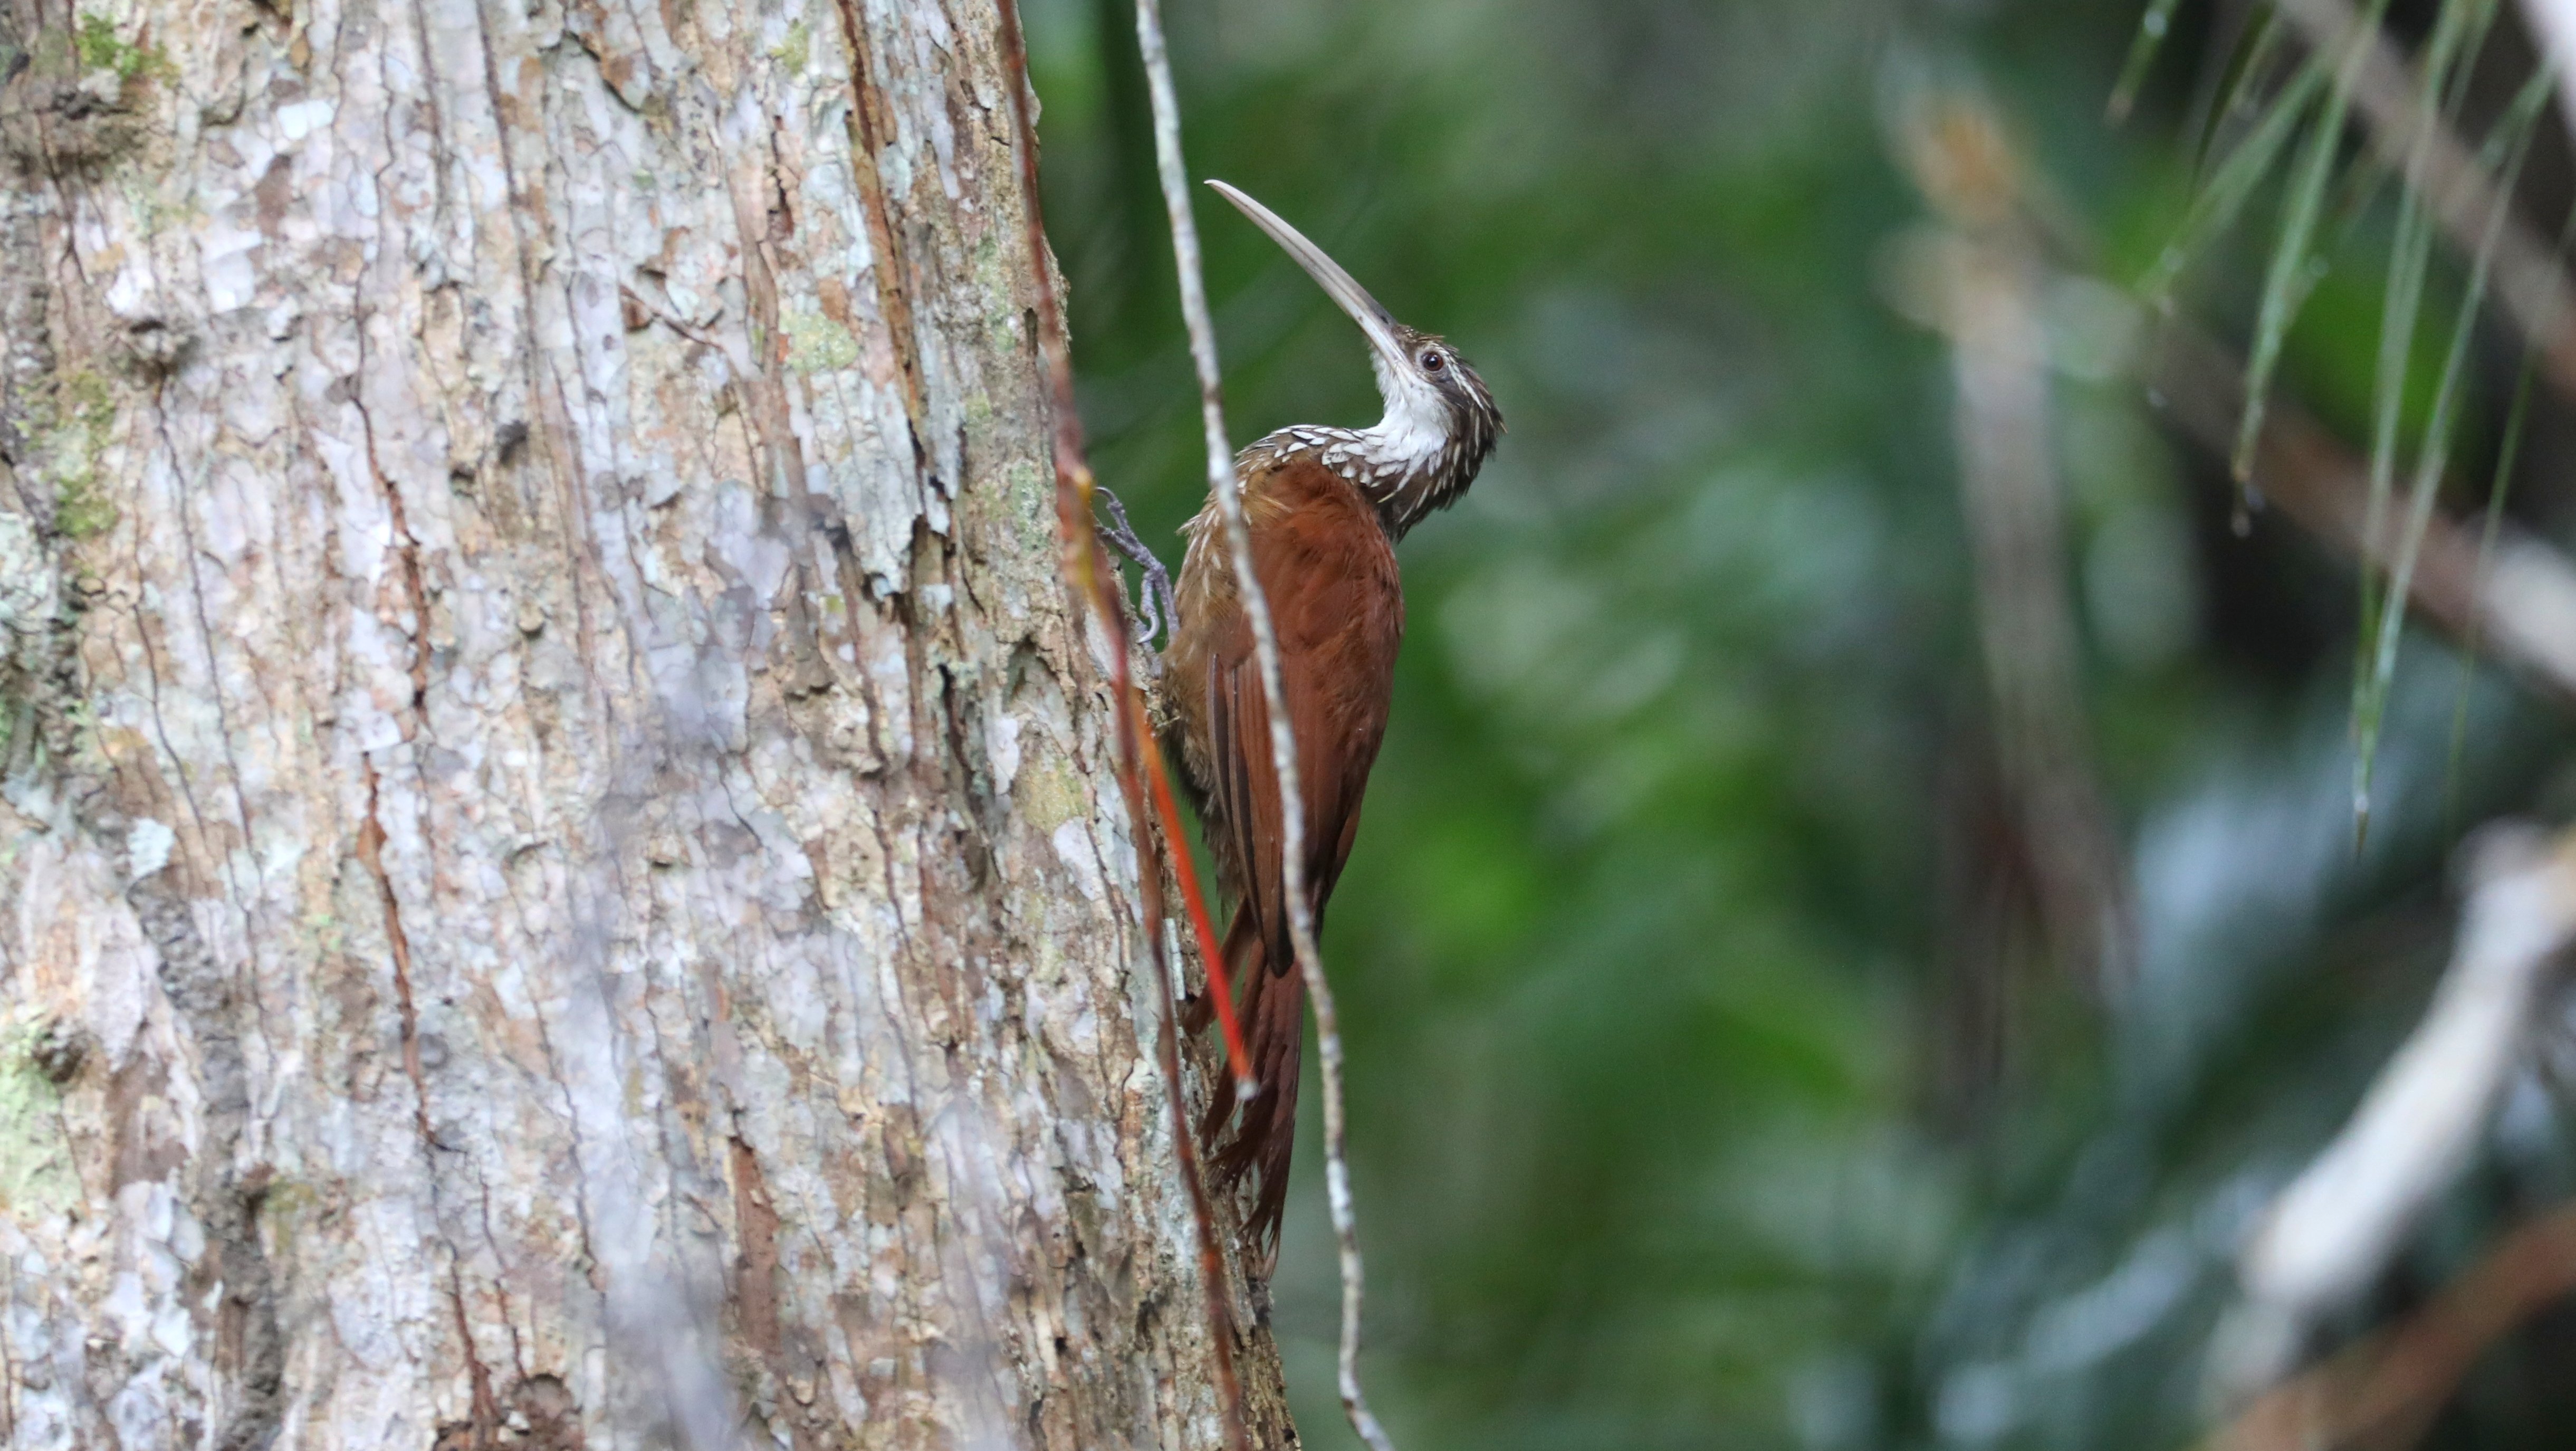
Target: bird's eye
(1431, 360)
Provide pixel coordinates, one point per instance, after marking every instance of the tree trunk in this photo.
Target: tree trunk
(562, 880)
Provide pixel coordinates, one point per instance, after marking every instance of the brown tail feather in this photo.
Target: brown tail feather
(1272, 1005)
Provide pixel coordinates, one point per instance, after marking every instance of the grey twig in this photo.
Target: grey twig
(1283, 745)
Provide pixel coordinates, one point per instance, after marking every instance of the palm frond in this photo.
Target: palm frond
(2450, 53)
(2152, 27)
(2245, 80)
(2293, 270)
(2232, 184)
(2506, 149)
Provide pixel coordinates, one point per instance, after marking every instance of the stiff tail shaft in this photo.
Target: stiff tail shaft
(1272, 1005)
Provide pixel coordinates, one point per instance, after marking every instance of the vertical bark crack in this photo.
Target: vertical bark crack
(870, 121)
(408, 544)
(371, 841)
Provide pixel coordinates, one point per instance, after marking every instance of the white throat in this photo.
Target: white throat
(1410, 438)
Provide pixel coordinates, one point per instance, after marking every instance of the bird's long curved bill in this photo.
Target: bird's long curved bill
(1337, 284)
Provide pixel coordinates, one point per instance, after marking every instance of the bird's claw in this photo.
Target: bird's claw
(1155, 610)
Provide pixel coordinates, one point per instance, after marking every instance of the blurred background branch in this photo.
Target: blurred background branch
(2553, 23)
(2384, 1391)
(2530, 281)
(2332, 1232)
(1979, 279)
(2514, 594)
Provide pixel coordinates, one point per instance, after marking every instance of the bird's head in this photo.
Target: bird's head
(1440, 421)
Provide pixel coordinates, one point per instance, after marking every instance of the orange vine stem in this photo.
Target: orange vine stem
(1092, 584)
(1220, 989)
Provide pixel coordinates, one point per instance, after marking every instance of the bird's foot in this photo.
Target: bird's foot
(1155, 611)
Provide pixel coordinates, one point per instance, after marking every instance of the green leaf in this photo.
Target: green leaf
(2233, 183)
(2507, 453)
(2450, 53)
(2293, 270)
(2248, 75)
(2511, 137)
(2152, 27)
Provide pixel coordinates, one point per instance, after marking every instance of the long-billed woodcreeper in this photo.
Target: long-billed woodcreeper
(1326, 507)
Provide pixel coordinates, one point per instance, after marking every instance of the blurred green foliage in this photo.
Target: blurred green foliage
(1706, 1091)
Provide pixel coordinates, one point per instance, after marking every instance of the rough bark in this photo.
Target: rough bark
(559, 881)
